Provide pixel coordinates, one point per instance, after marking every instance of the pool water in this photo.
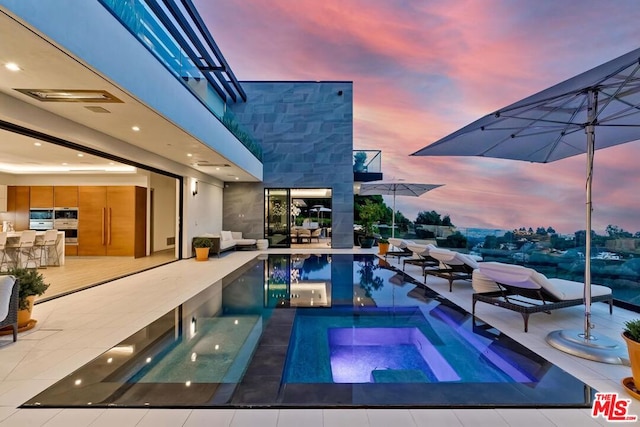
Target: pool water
(317, 331)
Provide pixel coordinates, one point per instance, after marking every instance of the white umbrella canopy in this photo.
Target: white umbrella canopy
(395, 188)
(551, 125)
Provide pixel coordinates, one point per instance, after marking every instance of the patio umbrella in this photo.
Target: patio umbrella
(319, 209)
(395, 188)
(550, 125)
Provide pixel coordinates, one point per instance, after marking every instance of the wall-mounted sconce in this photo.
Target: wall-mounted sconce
(192, 328)
(194, 187)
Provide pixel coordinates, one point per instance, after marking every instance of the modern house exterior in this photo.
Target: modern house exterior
(143, 93)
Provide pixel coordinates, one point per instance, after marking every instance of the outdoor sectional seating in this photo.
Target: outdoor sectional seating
(228, 240)
(527, 291)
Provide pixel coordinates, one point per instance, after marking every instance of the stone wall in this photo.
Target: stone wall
(306, 133)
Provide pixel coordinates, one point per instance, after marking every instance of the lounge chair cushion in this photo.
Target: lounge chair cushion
(399, 243)
(420, 250)
(226, 235)
(482, 283)
(448, 257)
(523, 277)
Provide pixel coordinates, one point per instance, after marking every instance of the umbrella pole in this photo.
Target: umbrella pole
(583, 343)
(393, 216)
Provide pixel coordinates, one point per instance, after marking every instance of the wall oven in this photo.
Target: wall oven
(66, 219)
(41, 219)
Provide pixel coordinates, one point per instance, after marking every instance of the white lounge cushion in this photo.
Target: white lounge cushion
(225, 244)
(523, 277)
(399, 243)
(420, 250)
(452, 257)
(245, 242)
(6, 286)
(236, 235)
(481, 283)
(226, 235)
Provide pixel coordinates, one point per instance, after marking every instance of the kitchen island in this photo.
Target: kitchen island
(13, 237)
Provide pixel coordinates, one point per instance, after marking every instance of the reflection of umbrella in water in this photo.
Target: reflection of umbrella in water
(550, 125)
(395, 188)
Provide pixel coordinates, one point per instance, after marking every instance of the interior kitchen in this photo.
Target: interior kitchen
(112, 219)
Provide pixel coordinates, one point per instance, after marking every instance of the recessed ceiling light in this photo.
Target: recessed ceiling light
(37, 144)
(237, 178)
(80, 155)
(189, 154)
(12, 66)
(65, 164)
(217, 169)
(135, 128)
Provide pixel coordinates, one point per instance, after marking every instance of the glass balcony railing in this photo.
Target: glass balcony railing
(367, 161)
(149, 29)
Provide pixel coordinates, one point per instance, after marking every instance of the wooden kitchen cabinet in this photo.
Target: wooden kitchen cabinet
(41, 196)
(65, 196)
(18, 206)
(112, 221)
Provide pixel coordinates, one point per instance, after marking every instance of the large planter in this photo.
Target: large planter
(202, 254)
(633, 347)
(383, 248)
(24, 316)
(367, 242)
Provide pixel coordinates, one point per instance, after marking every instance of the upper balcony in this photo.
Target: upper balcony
(367, 165)
(177, 36)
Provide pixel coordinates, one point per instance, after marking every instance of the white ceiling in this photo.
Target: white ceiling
(45, 66)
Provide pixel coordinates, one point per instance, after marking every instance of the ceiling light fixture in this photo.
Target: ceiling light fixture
(70, 95)
(12, 66)
(189, 154)
(135, 128)
(80, 155)
(37, 144)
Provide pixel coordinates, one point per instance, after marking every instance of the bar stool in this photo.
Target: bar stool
(24, 247)
(47, 247)
(5, 259)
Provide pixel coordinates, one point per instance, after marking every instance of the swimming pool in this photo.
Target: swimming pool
(317, 331)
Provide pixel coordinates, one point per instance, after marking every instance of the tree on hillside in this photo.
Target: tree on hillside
(433, 218)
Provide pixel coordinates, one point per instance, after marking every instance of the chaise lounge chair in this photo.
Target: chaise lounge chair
(453, 266)
(542, 294)
(421, 256)
(402, 246)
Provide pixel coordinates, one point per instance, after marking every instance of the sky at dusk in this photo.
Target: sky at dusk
(423, 69)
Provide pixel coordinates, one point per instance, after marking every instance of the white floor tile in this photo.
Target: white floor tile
(345, 417)
(210, 417)
(390, 417)
(29, 418)
(119, 417)
(435, 417)
(525, 418)
(75, 418)
(164, 418)
(476, 418)
(255, 417)
(300, 417)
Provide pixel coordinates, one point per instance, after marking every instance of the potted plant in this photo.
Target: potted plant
(631, 335)
(383, 246)
(202, 246)
(358, 161)
(368, 214)
(30, 285)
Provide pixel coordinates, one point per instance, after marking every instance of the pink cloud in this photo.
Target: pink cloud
(422, 70)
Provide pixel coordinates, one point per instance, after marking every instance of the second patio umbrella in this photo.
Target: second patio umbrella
(551, 125)
(395, 188)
